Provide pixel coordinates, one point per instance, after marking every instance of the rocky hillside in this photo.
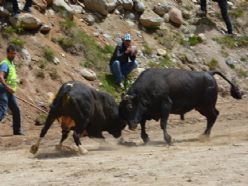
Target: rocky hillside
(73, 39)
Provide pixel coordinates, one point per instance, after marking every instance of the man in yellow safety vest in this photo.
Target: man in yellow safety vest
(8, 89)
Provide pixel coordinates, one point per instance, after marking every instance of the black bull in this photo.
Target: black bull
(158, 92)
(83, 110)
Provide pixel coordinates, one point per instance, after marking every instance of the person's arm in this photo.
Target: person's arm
(8, 88)
(119, 52)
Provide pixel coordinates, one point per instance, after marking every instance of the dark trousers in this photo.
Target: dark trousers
(9, 100)
(28, 4)
(223, 8)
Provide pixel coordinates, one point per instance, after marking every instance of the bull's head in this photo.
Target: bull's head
(128, 110)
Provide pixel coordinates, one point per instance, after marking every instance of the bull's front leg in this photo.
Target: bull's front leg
(144, 135)
(76, 137)
(165, 111)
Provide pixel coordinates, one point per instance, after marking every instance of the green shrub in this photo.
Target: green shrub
(108, 49)
(236, 12)
(48, 53)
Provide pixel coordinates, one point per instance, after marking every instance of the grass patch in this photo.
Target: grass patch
(213, 64)
(17, 42)
(237, 12)
(164, 62)
(96, 57)
(9, 31)
(48, 53)
(191, 41)
(232, 42)
(108, 85)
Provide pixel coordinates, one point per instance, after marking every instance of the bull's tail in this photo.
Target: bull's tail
(235, 93)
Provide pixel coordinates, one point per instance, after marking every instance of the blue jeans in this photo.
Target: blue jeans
(120, 71)
(9, 100)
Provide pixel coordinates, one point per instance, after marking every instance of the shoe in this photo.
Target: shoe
(16, 15)
(18, 133)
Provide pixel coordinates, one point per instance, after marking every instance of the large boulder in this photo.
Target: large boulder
(126, 4)
(150, 20)
(175, 16)
(26, 21)
(162, 9)
(101, 6)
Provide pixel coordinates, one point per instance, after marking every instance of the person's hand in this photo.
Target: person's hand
(128, 50)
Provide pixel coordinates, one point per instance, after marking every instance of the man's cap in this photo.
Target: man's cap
(127, 37)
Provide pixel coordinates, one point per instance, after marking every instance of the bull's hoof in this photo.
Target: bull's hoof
(82, 151)
(146, 140)
(34, 149)
(168, 140)
(203, 138)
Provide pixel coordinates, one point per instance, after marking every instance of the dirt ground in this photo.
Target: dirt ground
(221, 160)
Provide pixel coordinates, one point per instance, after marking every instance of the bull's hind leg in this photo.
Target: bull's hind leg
(50, 119)
(211, 118)
(144, 135)
(211, 115)
(165, 110)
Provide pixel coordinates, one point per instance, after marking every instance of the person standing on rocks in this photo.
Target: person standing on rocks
(224, 12)
(123, 60)
(26, 8)
(8, 89)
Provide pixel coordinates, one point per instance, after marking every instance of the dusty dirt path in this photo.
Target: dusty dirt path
(222, 160)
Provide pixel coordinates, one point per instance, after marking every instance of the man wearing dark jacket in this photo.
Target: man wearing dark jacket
(123, 60)
(223, 8)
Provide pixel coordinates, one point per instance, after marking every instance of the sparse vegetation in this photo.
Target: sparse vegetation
(48, 53)
(213, 64)
(9, 31)
(164, 62)
(237, 12)
(108, 85)
(17, 42)
(232, 42)
(147, 50)
(95, 56)
(191, 41)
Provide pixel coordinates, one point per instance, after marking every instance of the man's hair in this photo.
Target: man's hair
(11, 48)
